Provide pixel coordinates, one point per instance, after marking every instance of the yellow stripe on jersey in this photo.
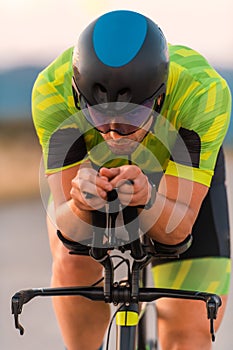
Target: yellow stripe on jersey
(186, 52)
(50, 101)
(40, 133)
(186, 172)
(186, 93)
(60, 73)
(65, 167)
(182, 273)
(215, 128)
(70, 101)
(206, 155)
(44, 89)
(211, 73)
(211, 98)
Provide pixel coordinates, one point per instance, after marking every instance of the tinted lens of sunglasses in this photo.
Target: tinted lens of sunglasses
(113, 120)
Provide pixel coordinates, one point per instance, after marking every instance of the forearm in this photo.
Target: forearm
(168, 221)
(75, 224)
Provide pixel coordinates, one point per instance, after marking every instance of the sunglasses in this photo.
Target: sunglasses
(107, 117)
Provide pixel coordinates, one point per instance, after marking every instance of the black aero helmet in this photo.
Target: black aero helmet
(121, 57)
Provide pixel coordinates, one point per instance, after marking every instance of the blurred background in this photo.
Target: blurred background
(34, 32)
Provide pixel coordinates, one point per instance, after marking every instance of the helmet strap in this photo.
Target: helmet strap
(157, 108)
(159, 103)
(76, 99)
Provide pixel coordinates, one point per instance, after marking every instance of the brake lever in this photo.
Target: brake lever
(18, 300)
(212, 304)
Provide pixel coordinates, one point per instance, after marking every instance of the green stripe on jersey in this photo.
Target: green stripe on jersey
(210, 275)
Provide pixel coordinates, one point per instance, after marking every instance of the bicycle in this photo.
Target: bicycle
(128, 293)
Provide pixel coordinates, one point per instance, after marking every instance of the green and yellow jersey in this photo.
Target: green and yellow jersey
(185, 138)
(184, 141)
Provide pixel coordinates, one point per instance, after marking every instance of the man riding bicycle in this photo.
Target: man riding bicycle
(123, 109)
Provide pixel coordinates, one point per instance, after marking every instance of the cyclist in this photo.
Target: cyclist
(125, 105)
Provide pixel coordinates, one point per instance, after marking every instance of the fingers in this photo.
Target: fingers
(134, 193)
(89, 189)
(125, 173)
(109, 173)
(132, 184)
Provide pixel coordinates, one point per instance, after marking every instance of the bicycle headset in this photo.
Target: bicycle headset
(120, 67)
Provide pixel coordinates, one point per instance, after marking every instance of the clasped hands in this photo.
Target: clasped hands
(131, 183)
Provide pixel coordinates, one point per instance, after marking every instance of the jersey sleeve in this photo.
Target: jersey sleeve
(54, 116)
(202, 116)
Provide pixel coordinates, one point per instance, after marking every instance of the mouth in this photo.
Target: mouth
(119, 144)
(122, 146)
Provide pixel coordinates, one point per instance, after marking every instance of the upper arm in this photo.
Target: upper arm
(185, 198)
(177, 205)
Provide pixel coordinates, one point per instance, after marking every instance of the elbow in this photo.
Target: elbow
(179, 228)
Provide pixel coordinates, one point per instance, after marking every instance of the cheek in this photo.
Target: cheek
(106, 137)
(139, 135)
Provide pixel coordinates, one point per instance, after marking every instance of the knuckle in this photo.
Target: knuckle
(72, 192)
(88, 176)
(73, 182)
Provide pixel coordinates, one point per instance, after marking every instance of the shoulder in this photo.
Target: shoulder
(52, 90)
(52, 97)
(55, 74)
(184, 56)
(192, 79)
(189, 63)
(61, 65)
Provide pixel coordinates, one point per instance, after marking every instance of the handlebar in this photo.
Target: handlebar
(120, 293)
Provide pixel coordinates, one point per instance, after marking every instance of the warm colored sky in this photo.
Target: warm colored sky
(35, 31)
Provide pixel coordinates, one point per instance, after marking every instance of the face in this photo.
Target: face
(124, 133)
(120, 145)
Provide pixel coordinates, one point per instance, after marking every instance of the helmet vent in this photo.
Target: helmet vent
(124, 95)
(100, 94)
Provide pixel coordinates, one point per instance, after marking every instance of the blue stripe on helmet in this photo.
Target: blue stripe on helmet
(118, 37)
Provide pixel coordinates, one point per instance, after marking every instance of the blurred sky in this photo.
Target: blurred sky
(36, 31)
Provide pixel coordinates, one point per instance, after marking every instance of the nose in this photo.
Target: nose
(113, 126)
(114, 134)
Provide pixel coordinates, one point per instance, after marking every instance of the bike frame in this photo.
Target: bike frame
(126, 293)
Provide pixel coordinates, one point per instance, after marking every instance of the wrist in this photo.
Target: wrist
(82, 214)
(152, 199)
